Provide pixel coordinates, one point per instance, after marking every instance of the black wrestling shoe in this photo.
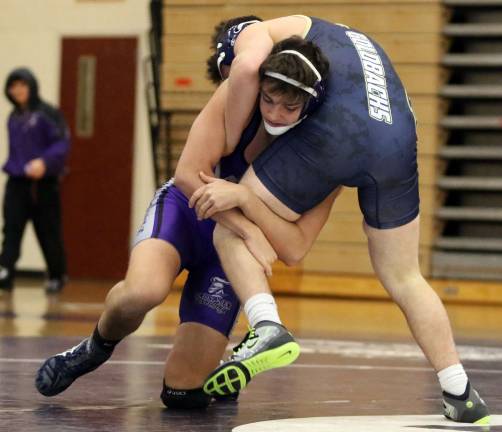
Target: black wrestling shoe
(58, 372)
(466, 408)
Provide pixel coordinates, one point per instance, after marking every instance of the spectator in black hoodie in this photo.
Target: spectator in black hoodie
(38, 147)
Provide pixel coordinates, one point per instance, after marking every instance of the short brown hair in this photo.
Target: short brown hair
(294, 67)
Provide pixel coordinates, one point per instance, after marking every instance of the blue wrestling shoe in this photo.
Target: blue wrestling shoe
(58, 372)
(265, 347)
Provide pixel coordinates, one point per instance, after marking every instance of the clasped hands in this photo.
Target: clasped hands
(218, 195)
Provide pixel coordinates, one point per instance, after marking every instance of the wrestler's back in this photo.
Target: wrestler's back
(363, 135)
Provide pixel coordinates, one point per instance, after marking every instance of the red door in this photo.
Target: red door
(98, 83)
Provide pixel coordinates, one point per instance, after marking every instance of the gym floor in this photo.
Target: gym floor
(359, 369)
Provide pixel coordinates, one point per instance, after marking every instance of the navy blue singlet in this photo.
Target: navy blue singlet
(362, 136)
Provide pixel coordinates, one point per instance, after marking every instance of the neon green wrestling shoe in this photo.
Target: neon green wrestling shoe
(466, 408)
(269, 345)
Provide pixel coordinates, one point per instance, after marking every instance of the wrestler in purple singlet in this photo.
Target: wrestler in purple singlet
(207, 297)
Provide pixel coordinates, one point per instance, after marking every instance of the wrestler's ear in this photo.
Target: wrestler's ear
(207, 179)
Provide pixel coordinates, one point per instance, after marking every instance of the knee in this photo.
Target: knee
(406, 279)
(137, 297)
(221, 236)
(406, 288)
(146, 293)
(184, 399)
(185, 368)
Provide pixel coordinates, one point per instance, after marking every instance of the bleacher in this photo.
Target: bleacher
(411, 33)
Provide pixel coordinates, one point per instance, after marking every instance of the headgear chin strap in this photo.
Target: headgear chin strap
(317, 91)
(279, 130)
(225, 47)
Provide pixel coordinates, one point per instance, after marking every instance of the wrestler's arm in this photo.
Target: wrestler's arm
(290, 240)
(251, 48)
(205, 144)
(204, 148)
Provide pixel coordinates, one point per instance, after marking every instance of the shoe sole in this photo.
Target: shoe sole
(483, 421)
(47, 380)
(234, 376)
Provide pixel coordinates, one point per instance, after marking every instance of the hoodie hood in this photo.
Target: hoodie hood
(24, 74)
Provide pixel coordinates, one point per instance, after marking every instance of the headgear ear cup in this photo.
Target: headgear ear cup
(314, 102)
(225, 48)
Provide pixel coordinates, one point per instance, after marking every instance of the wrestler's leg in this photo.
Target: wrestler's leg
(197, 350)
(394, 255)
(269, 344)
(153, 267)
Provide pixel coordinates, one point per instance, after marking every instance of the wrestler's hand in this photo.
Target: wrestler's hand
(261, 249)
(217, 195)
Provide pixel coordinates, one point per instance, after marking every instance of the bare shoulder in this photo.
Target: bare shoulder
(287, 26)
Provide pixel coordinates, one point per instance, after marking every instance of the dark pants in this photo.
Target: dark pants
(39, 201)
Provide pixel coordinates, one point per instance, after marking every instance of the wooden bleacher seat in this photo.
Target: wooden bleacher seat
(492, 214)
(472, 60)
(471, 152)
(470, 183)
(481, 91)
(472, 122)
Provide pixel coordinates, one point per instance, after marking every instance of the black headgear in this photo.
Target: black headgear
(225, 46)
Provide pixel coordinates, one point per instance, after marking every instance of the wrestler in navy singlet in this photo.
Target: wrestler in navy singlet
(363, 136)
(207, 297)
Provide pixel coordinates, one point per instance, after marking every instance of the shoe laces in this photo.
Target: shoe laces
(250, 335)
(75, 351)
